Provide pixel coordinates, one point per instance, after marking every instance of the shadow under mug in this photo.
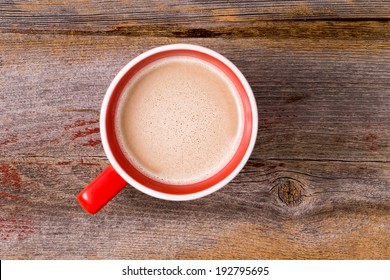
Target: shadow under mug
(122, 172)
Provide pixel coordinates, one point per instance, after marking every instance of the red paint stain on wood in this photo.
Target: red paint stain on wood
(12, 139)
(64, 163)
(79, 123)
(11, 197)
(267, 123)
(371, 138)
(80, 129)
(92, 143)
(10, 176)
(373, 148)
(10, 227)
(85, 132)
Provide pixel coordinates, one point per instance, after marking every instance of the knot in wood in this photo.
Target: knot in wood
(290, 191)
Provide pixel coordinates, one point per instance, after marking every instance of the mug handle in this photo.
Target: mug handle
(101, 190)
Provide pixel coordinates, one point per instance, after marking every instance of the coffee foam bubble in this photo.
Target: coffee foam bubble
(180, 120)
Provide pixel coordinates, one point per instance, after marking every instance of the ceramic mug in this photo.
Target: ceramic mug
(122, 172)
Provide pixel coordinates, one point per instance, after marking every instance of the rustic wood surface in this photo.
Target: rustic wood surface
(316, 187)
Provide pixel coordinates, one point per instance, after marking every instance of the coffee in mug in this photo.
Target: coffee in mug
(179, 120)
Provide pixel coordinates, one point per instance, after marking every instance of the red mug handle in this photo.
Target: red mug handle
(101, 190)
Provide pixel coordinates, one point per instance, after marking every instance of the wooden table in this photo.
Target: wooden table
(316, 187)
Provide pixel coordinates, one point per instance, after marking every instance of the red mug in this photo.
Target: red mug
(122, 172)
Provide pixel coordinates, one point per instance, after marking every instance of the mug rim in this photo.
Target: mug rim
(135, 183)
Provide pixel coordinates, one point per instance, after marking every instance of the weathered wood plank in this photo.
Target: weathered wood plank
(317, 185)
(189, 18)
(317, 99)
(342, 211)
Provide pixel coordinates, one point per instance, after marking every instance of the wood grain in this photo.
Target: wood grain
(316, 186)
(318, 99)
(189, 18)
(338, 217)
